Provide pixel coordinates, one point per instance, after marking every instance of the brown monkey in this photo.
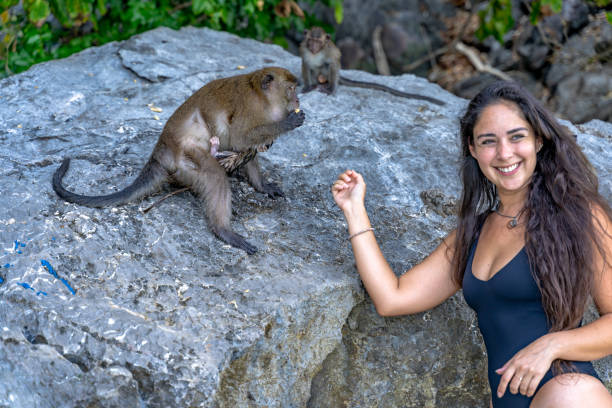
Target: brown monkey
(321, 68)
(245, 113)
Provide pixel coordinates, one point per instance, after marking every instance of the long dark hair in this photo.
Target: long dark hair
(561, 234)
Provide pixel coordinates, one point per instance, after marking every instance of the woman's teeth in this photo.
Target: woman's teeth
(508, 169)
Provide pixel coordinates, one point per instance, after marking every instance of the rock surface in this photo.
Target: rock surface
(116, 308)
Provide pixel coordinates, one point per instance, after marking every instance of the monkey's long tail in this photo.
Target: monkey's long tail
(381, 87)
(150, 179)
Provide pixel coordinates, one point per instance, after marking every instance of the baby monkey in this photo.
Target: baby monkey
(234, 117)
(321, 68)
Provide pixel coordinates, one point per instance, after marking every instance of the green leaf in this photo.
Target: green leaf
(496, 20)
(37, 10)
(609, 16)
(60, 12)
(201, 6)
(536, 11)
(338, 12)
(6, 4)
(555, 5)
(101, 7)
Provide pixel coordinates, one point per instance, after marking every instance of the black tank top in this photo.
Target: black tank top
(510, 317)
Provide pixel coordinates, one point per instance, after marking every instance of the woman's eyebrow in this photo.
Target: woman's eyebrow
(517, 130)
(485, 135)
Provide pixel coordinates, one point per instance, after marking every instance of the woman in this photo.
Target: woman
(533, 242)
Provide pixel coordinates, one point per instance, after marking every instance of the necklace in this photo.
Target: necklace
(513, 219)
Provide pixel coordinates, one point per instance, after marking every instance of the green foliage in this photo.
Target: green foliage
(49, 29)
(543, 7)
(496, 17)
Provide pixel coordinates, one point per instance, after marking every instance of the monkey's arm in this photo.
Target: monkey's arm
(310, 82)
(265, 134)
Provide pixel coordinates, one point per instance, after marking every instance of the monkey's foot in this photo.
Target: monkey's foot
(306, 89)
(272, 190)
(325, 89)
(235, 240)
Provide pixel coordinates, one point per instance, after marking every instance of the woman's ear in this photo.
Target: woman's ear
(471, 146)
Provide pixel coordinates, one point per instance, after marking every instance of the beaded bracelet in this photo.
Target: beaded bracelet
(359, 233)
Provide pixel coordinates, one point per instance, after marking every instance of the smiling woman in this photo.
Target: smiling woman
(528, 279)
(505, 148)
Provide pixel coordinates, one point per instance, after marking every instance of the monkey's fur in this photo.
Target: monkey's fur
(245, 113)
(321, 68)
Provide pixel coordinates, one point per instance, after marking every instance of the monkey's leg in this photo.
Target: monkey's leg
(307, 76)
(254, 176)
(208, 180)
(331, 74)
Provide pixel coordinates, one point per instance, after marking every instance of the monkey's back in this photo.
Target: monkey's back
(229, 107)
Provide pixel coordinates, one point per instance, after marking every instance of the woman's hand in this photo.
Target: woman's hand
(525, 370)
(349, 190)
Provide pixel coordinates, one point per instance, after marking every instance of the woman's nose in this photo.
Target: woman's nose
(504, 150)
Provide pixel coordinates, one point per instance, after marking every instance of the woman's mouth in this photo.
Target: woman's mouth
(507, 171)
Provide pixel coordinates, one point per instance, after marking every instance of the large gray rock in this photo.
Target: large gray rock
(163, 313)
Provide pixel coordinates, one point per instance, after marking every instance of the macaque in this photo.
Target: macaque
(321, 68)
(240, 115)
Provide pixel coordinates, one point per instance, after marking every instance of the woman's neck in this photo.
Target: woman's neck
(512, 204)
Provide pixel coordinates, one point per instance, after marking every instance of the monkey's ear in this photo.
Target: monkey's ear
(266, 81)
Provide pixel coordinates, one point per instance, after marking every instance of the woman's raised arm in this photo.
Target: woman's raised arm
(421, 288)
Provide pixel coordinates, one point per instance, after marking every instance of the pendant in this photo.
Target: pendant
(512, 223)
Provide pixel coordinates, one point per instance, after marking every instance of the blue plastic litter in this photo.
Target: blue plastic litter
(1, 280)
(25, 285)
(47, 265)
(68, 286)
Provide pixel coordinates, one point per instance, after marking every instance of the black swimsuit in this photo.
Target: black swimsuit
(510, 317)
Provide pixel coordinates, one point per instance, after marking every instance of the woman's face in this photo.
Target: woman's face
(505, 147)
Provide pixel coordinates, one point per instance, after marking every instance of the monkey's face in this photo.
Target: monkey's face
(280, 89)
(315, 44)
(316, 38)
(293, 102)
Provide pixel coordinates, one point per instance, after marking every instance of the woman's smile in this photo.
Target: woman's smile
(510, 170)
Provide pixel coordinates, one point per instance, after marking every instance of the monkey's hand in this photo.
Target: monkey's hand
(272, 190)
(326, 88)
(293, 120)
